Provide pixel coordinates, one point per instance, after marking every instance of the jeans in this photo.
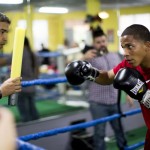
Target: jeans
(102, 110)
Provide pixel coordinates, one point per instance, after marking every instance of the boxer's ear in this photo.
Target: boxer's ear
(147, 44)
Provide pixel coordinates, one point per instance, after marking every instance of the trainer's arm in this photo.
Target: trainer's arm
(105, 77)
(8, 131)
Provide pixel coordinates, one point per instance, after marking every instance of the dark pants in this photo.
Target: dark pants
(26, 107)
(99, 111)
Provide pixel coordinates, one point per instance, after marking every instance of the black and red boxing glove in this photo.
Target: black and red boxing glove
(133, 83)
(79, 71)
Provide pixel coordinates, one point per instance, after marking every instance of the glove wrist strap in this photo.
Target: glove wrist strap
(95, 73)
(146, 99)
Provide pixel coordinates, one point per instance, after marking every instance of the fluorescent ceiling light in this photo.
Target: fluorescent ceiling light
(54, 10)
(103, 15)
(11, 1)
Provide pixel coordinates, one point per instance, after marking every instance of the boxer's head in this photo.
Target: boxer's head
(135, 40)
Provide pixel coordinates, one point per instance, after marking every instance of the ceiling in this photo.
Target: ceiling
(75, 5)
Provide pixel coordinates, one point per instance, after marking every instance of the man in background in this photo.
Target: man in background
(103, 99)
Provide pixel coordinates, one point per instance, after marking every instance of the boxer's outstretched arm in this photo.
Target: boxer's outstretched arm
(79, 71)
(105, 77)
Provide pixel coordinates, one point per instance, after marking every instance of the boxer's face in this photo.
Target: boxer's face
(135, 51)
(4, 27)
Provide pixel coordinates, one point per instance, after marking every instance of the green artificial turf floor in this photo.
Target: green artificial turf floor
(45, 108)
(133, 137)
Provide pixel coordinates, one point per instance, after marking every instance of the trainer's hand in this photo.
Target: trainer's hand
(8, 132)
(79, 71)
(11, 86)
(90, 54)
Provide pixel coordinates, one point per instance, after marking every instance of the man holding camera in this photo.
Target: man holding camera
(103, 99)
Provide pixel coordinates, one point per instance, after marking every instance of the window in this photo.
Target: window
(40, 32)
(127, 20)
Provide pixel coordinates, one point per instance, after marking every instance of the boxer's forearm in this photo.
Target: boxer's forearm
(105, 77)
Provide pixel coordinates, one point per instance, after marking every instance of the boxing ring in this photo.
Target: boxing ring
(22, 140)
